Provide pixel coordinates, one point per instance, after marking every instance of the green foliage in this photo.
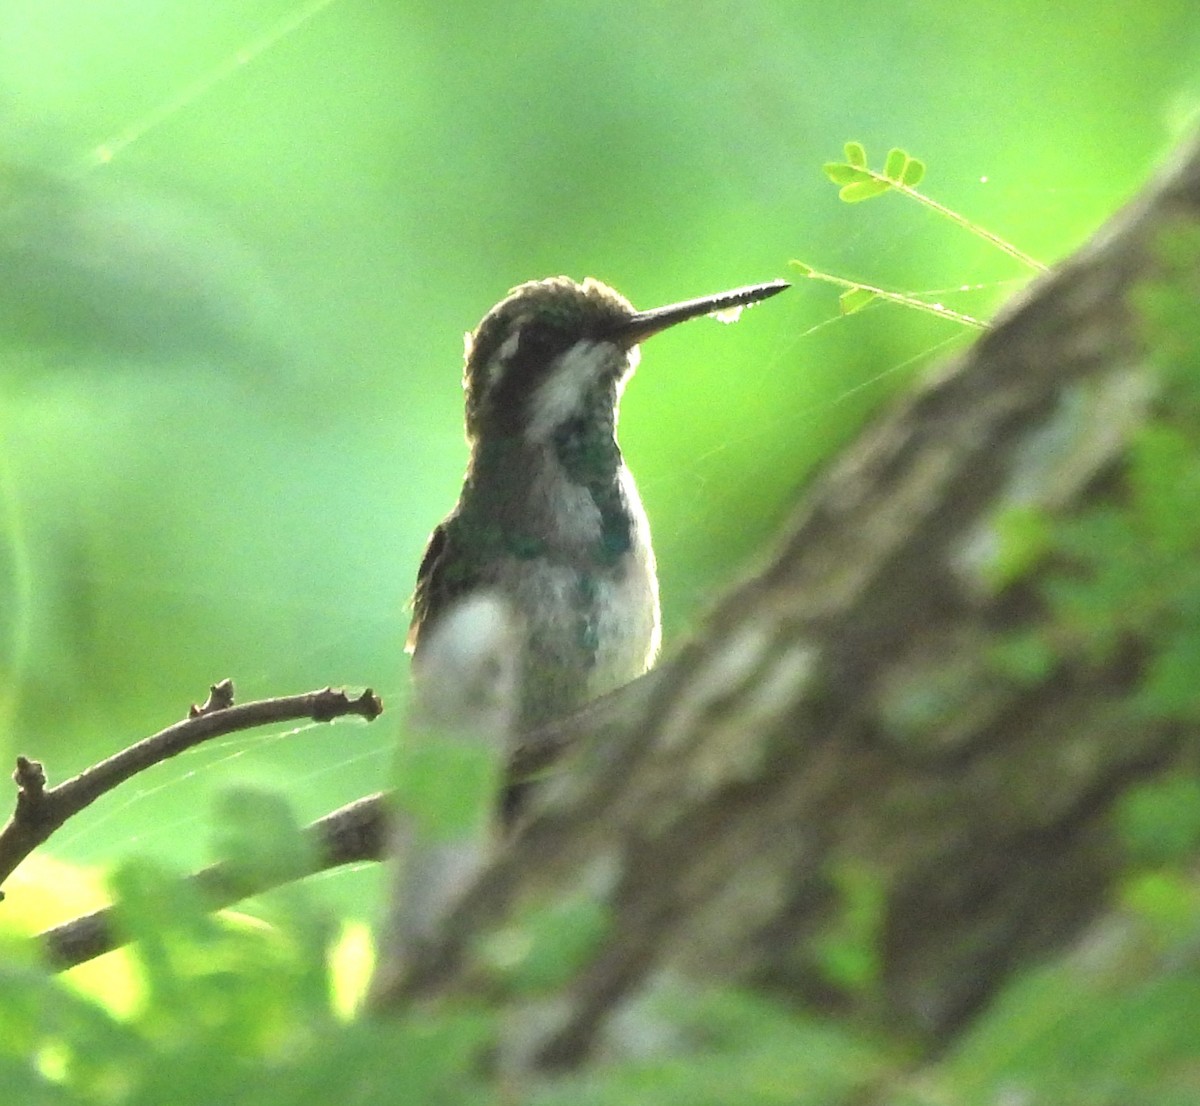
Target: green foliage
(858, 295)
(902, 173)
(1135, 566)
(727, 1047)
(447, 786)
(1168, 903)
(1159, 822)
(1114, 1028)
(247, 993)
(258, 837)
(855, 299)
(544, 947)
(1022, 535)
(234, 1011)
(849, 950)
(857, 182)
(1025, 658)
(1116, 1024)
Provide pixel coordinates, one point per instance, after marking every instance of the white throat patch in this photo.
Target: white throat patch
(561, 394)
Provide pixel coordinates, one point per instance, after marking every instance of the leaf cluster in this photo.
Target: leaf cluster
(1135, 564)
(859, 182)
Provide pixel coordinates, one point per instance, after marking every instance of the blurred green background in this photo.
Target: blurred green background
(240, 242)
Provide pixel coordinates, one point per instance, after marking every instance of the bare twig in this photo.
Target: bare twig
(349, 835)
(40, 810)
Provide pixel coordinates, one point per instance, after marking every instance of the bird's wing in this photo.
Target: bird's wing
(435, 548)
(442, 577)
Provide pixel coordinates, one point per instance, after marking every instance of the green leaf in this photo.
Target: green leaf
(1026, 658)
(894, 167)
(803, 268)
(1165, 476)
(153, 899)
(545, 947)
(1168, 900)
(855, 299)
(850, 949)
(863, 190)
(1118, 1028)
(1022, 539)
(1159, 822)
(448, 786)
(1172, 675)
(856, 154)
(259, 837)
(841, 173)
(914, 172)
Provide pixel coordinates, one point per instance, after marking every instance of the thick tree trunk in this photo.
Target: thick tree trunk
(839, 730)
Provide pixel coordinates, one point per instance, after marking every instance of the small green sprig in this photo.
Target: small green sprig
(902, 172)
(858, 295)
(858, 182)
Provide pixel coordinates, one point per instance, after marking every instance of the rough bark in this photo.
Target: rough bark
(839, 715)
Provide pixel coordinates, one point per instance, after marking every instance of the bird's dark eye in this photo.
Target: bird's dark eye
(538, 342)
(525, 359)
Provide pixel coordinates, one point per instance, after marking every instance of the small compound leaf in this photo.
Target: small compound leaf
(854, 299)
(914, 172)
(863, 190)
(856, 154)
(259, 837)
(841, 173)
(893, 168)
(446, 787)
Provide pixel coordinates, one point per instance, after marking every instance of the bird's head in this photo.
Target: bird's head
(555, 350)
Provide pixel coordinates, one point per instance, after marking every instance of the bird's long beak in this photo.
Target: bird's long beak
(642, 324)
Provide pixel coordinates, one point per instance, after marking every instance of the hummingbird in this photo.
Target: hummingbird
(549, 517)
